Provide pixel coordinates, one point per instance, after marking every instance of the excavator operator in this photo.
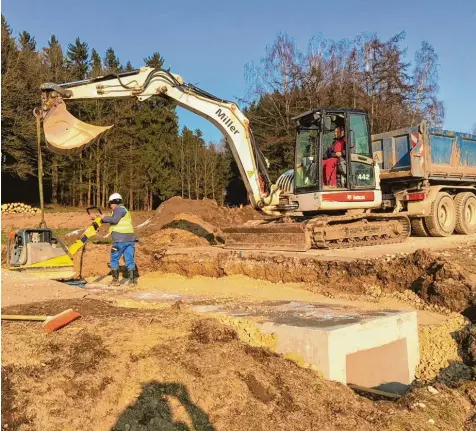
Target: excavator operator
(334, 156)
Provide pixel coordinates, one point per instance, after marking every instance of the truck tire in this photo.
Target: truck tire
(442, 218)
(465, 206)
(418, 227)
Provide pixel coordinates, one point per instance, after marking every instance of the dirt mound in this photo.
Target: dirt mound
(186, 230)
(206, 210)
(440, 352)
(176, 238)
(446, 283)
(210, 330)
(467, 340)
(150, 372)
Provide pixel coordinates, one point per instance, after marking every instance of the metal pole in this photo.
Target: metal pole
(40, 167)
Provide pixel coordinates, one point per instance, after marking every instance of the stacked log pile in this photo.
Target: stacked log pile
(19, 208)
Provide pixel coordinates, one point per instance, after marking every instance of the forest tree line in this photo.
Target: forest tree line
(148, 159)
(145, 157)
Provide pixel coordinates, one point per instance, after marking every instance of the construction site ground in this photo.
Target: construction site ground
(146, 359)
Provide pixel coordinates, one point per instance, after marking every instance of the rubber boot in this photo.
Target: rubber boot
(132, 278)
(115, 278)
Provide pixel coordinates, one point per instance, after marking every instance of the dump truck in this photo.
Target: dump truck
(429, 174)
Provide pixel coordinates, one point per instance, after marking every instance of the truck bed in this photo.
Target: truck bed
(426, 153)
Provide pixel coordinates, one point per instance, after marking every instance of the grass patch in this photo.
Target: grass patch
(62, 232)
(95, 240)
(60, 209)
(4, 237)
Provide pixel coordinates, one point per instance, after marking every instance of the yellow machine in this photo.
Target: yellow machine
(41, 252)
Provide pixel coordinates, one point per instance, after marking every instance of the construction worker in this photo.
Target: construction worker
(123, 239)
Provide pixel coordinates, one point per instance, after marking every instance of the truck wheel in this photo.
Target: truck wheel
(465, 205)
(442, 218)
(418, 227)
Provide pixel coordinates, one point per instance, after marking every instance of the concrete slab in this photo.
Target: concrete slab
(371, 348)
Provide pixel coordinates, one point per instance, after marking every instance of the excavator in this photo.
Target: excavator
(305, 211)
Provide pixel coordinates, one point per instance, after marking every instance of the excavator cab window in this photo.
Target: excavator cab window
(361, 161)
(306, 155)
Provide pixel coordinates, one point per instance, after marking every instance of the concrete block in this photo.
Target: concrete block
(372, 349)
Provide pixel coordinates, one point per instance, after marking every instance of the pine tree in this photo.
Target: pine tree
(23, 74)
(77, 58)
(111, 62)
(96, 65)
(155, 60)
(26, 41)
(56, 71)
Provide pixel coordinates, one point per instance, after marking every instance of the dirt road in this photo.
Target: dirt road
(61, 220)
(20, 288)
(348, 254)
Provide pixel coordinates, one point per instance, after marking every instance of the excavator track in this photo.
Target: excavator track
(358, 231)
(320, 233)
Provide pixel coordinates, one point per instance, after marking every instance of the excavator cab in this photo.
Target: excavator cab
(333, 152)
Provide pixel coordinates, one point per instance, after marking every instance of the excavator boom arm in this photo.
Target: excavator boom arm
(66, 134)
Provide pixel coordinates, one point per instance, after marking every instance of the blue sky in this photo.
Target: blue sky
(209, 42)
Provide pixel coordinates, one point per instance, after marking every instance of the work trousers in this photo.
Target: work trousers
(123, 248)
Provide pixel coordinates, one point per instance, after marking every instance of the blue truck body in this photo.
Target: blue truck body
(436, 155)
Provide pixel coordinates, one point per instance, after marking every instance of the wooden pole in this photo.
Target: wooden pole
(40, 168)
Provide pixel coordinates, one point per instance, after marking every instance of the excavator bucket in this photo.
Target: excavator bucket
(65, 134)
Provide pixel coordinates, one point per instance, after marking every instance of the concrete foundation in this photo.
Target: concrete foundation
(374, 349)
(371, 349)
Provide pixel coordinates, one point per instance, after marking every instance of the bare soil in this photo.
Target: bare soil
(182, 237)
(23, 289)
(130, 369)
(438, 278)
(126, 369)
(59, 220)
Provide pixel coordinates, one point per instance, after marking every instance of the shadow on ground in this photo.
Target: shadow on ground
(197, 230)
(152, 410)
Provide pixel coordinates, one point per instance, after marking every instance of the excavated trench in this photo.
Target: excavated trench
(434, 279)
(437, 279)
